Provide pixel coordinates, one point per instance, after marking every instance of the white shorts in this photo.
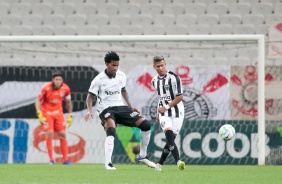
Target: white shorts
(171, 122)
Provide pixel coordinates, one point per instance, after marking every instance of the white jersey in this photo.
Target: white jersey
(167, 88)
(108, 90)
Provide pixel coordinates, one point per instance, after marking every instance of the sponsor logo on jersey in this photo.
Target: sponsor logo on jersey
(112, 92)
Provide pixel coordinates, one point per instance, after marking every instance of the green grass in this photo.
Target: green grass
(90, 174)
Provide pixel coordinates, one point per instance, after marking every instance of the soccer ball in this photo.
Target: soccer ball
(227, 132)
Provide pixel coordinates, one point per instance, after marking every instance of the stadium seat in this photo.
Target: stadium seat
(151, 9)
(5, 30)
(65, 30)
(229, 2)
(10, 20)
(272, 19)
(230, 19)
(139, 1)
(108, 7)
(228, 53)
(54, 20)
(87, 9)
(278, 8)
(244, 29)
(110, 30)
(198, 29)
(221, 29)
(262, 29)
(262, 8)
(195, 8)
(43, 30)
(98, 20)
(272, 1)
(247, 52)
(240, 8)
(217, 9)
(184, 2)
(117, 1)
(164, 19)
(173, 8)
(255, 19)
(4, 9)
(240, 61)
(120, 20)
(162, 2)
(132, 30)
(129, 8)
(20, 9)
(64, 9)
(32, 20)
(10, 1)
(186, 19)
(176, 30)
(75, 20)
(142, 19)
(208, 19)
(97, 2)
(76, 2)
(21, 30)
(42, 9)
(249, 1)
(154, 30)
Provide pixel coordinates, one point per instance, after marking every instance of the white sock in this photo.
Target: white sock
(109, 147)
(145, 139)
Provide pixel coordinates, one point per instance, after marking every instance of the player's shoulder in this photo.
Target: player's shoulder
(154, 78)
(47, 86)
(172, 74)
(120, 73)
(65, 86)
(100, 76)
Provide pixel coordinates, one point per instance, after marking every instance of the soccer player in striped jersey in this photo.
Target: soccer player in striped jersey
(109, 88)
(168, 86)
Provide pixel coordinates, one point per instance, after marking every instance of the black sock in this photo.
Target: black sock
(171, 145)
(164, 155)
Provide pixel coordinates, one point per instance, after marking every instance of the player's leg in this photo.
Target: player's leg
(49, 131)
(110, 129)
(145, 135)
(60, 127)
(176, 127)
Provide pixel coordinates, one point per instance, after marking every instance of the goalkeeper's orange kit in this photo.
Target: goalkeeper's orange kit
(52, 106)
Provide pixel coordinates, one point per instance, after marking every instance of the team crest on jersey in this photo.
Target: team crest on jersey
(196, 106)
(166, 87)
(62, 93)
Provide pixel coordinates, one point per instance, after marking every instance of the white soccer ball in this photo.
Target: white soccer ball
(227, 132)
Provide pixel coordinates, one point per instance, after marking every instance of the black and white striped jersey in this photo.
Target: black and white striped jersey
(167, 88)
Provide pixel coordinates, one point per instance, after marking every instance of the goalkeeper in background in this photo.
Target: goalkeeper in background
(49, 108)
(170, 115)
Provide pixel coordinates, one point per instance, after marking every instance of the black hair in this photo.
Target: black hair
(111, 56)
(158, 58)
(57, 73)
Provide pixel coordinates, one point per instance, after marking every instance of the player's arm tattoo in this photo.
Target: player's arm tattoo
(126, 97)
(90, 100)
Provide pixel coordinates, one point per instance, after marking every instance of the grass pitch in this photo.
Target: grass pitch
(139, 173)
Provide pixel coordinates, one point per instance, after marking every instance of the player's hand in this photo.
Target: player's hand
(157, 118)
(69, 120)
(41, 118)
(135, 109)
(88, 115)
(162, 109)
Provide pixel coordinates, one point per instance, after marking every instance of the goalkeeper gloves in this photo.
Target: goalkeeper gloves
(69, 120)
(41, 118)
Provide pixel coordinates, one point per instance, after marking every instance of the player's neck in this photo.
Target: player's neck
(109, 75)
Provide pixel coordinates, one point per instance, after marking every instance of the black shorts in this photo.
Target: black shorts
(121, 115)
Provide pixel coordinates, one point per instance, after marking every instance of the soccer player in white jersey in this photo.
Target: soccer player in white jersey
(109, 88)
(168, 86)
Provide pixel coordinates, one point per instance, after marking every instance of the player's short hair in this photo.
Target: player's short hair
(57, 73)
(158, 58)
(111, 56)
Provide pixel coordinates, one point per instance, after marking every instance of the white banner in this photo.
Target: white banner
(275, 41)
(206, 88)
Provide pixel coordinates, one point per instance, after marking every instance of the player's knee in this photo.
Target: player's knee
(145, 125)
(111, 132)
(170, 139)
